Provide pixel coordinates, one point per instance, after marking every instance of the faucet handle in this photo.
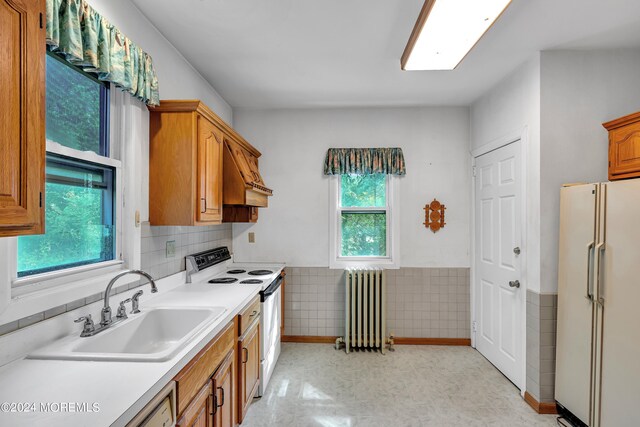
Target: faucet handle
(88, 327)
(135, 304)
(122, 310)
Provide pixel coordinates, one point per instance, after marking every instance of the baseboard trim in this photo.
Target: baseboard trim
(308, 339)
(397, 340)
(540, 407)
(432, 341)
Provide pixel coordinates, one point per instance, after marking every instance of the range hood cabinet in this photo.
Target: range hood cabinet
(242, 184)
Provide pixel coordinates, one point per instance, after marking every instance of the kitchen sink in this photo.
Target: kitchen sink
(154, 335)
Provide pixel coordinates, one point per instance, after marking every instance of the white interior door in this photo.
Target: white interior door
(499, 301)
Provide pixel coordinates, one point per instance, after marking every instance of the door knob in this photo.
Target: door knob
(514, 284)
(516, 250)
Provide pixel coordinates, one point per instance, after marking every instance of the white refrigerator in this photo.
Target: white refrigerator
(598, 335)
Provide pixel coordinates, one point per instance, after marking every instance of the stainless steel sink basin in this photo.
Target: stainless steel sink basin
(155, 335)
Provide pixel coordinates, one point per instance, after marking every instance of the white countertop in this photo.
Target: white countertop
(120, 389)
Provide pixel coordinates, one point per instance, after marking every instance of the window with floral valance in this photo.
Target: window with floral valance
(89, 41)
(364, 217)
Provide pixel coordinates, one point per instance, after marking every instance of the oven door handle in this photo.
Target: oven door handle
(271, 289)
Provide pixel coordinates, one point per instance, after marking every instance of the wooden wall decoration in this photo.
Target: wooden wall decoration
(434, 215)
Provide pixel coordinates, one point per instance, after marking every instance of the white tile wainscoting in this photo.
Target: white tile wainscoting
(541, 345)
(421, 302)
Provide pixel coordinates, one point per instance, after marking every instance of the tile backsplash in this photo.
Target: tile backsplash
(154, 260)
(188, 240)
(541, 345)
(421, 302)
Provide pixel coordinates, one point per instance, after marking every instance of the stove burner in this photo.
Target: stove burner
(260, 272)
(252, 281)
(236, 271)
(224, 280)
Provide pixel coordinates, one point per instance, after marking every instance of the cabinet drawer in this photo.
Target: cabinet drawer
(190, 380)
(248, 315)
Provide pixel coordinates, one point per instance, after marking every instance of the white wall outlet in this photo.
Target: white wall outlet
(171, 248)
(252, 237)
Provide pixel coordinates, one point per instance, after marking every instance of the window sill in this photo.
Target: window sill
(26, 301)
(38, 282)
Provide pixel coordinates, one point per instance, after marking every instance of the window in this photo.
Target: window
(80, 177)
(363, 221)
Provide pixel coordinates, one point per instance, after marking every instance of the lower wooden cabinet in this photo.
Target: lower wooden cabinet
(206, 386)
(249, 368)
(216, 387)
(224, 398)
(198, 413)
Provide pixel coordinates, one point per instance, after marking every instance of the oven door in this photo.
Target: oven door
(269, 332)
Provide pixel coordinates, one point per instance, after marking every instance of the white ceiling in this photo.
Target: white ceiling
(308, 53)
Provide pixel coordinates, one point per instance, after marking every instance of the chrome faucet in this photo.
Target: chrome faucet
(89, 328)
(105, 316)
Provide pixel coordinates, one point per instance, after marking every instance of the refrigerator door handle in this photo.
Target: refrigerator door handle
(590, 255)
(600, 249)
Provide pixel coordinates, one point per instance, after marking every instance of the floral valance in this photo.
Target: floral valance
(86, 39)
(364, 161)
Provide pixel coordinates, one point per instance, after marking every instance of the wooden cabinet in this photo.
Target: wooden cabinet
(249, 367)
(201, 171)
(199, 371)
(209, 171)
(22, 117)
(185, 164)
(624, 147)
(232, 213)
(248, 316)
(198, 413)
(243, 184)
(224, 409)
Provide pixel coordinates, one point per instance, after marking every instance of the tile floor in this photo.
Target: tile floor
(315, 385)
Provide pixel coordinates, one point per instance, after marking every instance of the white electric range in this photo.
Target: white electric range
(216, 268)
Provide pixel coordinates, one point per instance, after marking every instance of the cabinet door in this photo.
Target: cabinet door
(249, 356)
(209, 172)
(22, 118)
(624, 151)
(224, 393)
(198, 413)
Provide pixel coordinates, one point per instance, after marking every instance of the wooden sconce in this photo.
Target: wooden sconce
(434, 215)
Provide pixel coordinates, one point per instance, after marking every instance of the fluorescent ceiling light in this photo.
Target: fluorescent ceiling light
(447, 30)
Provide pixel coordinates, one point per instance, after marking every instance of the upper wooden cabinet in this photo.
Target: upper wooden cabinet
(197, 165)
(22, 117)
(624, 147)
(209, 171)
(185, 165)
